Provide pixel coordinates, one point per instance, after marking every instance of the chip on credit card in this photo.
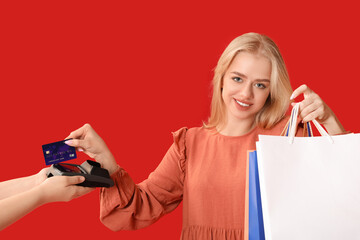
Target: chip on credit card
(58, 152)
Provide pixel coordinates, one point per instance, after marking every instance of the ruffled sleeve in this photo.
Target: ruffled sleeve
(130, 206)
(179, 142)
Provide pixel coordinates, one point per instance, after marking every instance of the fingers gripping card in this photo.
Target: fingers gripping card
(58, 152)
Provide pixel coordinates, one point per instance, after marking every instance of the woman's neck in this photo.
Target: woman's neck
(237, 128)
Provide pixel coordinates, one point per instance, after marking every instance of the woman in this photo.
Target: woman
(205, 166)
(20, 196)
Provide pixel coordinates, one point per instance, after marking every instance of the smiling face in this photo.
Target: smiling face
(246, 86)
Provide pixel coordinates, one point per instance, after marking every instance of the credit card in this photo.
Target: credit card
(58, 152)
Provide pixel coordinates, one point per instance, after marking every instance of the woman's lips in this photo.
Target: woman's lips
(243, 103)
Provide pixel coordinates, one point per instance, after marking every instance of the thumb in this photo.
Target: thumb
(293, 104)
(75, 180)
(76, 143)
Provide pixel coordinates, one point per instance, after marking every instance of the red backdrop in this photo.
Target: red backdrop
(137, 71)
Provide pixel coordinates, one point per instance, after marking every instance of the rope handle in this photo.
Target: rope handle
(291, 126)
(307, 132)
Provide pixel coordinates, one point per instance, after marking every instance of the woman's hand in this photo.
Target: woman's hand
(54, 189)
(86, 140)
(62, 189)
(313, 107)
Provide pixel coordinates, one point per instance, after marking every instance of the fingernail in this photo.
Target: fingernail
(68, 142)
(291, 97)
(80, 150)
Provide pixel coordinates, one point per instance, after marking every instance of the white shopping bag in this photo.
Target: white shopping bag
(310, 186)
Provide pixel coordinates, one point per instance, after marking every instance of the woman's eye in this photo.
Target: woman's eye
(260, 85)
(237, 79)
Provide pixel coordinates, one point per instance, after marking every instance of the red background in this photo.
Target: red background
(137, 71)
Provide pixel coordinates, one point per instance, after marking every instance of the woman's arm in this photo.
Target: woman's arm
(313, 107)
(130, 206)
(19, 185)
(59, 188)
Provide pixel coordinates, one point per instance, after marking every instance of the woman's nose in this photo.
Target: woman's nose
(246, 92)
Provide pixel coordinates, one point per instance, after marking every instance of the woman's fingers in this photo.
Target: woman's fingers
(77, 138)
(77, 191)
(303, 89)
(309, 105)
(81, 146)
(87, 140)
(312, 116)
(80, 132)
(74, 180)
(77, 143)
(312, 107)
(63, 188)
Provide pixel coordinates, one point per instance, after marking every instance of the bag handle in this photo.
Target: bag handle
(307, 132)
(292, 126)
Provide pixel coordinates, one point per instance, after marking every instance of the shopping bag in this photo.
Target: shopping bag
(256, 226)
(310, 186)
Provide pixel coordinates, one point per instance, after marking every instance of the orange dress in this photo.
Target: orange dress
(202, 168)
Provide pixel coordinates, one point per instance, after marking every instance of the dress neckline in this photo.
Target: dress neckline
(217, 133)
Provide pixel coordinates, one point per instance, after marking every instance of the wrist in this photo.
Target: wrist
(107, 161)
(41, 196)
(31, 181)
(333, 126)
(39, 177)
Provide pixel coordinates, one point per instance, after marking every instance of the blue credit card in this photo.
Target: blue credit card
(58, 152)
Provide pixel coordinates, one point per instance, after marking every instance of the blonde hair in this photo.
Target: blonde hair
(278, 101)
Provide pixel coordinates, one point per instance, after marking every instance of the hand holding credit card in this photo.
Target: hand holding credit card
(58, 152)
